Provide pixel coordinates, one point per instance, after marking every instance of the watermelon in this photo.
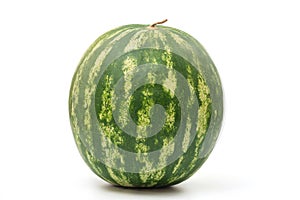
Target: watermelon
(145, 106)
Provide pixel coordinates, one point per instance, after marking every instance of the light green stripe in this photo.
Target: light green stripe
(136, 41)
(177, 166)
(187, 134)
(171, 82)
(119, 178)
(203, 116)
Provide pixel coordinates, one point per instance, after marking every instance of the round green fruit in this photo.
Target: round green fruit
(146, 106)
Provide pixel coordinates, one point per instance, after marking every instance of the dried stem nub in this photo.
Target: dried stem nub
(161, 22)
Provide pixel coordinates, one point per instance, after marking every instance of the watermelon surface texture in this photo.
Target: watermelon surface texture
(145, 106)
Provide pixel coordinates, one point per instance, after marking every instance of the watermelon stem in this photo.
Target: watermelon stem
(154, 24)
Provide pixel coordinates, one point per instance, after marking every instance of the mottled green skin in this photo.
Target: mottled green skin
(114, 120)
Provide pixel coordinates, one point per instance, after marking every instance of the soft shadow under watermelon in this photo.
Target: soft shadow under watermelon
(161, 191)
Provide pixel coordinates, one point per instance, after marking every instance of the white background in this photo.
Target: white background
(254, 44)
